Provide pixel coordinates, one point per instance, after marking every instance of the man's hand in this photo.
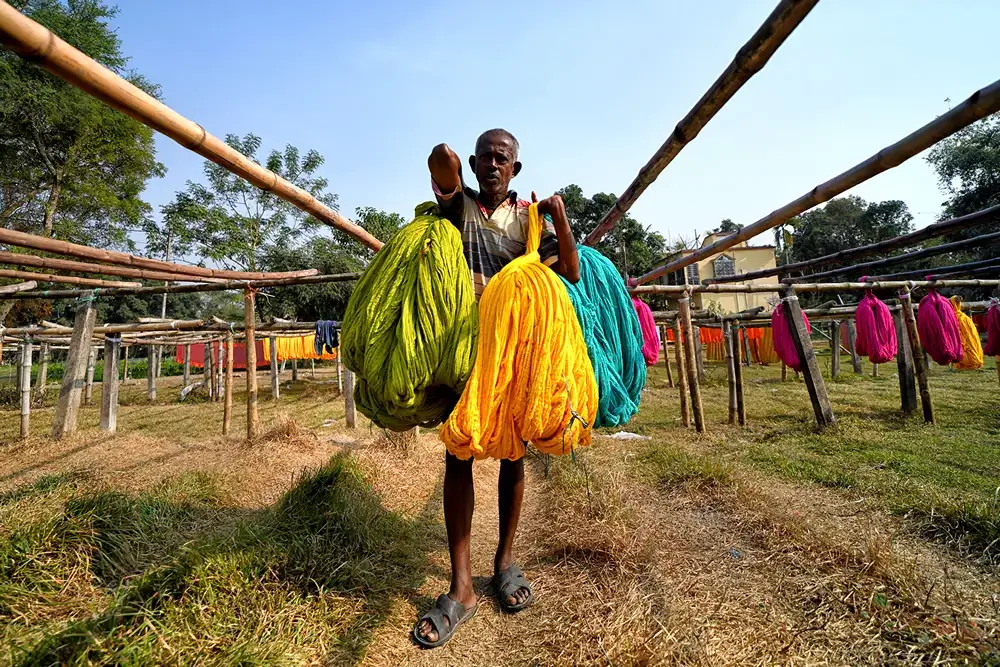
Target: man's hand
(568, 265)
(446, 168)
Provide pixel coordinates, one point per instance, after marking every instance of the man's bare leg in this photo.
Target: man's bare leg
(510, 495)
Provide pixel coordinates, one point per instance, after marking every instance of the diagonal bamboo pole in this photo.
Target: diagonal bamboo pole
(23, 259)
(749, 60)
(39, 45)
(980, 104)
(66, 280)
(983, 267)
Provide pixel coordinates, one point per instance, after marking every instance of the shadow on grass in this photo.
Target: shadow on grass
(191, 578)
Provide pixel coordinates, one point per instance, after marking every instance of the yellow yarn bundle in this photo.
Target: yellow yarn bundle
(972, 346)
(533, 380)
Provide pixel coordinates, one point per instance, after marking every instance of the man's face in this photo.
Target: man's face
(494, 164)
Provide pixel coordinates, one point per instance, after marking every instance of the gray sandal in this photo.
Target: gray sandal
(444, 608)
(507, 583)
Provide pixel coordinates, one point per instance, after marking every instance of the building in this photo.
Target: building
(741, 258)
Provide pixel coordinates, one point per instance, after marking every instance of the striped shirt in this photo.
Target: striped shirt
(492, 240)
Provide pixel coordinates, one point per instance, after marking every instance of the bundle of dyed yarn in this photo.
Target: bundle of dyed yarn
(972, 346)
(937, 326)
(784, 344)
(993, 329)
(876, 330)
(650, 337)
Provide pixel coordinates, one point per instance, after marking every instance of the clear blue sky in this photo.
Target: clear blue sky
(590, 92)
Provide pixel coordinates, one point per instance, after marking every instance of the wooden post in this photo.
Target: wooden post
(741, 412)
(220, 374)
(253, 417)
(874, 370)
(109, 394)
(666, 355)
(727, 343)
(187, 364)
(206, 370)
(699, 354)
(151, 374)
(919, 357)
(692, 363)
(125, 367)
(274, 367)
(834, 349)
(312, 369)
(68, 408)
(852, 346)
(904, 364)
(350, 412)
(88, 392)
(681, 374)
(810, 367)
(340, 372)
(25, 373)
(227, 409)
(295, 370)
(43, 373)
(745, 343)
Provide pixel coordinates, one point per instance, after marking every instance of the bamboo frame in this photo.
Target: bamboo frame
(979, 105)
(749, 60)
(56, 264)
(66, 280)
(809, 287)
(253, 416)
(17, 287)
(39, 45)
(982, 267)
(936, 230)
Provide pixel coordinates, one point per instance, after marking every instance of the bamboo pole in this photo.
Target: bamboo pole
(206, 370)
(295, 370)
(904, 366)
(340, 372)
(253, 417)
(55, 264)
(88, 395)
(727, 338)
(109, 391)
(692, 364)
(350, 410)
(187, 289)
(784, 372)
(227, 410)
(187, 365)
(852, 346)
(125, 367)
(220, 367)
(681, 374)
(68, 407)
(17, 287)
(982, 267)
(25, 372)
(979, 241)
(919, 357)
(273, 343)
(741, 410)
(749, 60)
(312, 369)
(151, 373)
(982, 217)
(37, 44)
(66, 280)
(699, 357)
(43, 373)
(980, 104)
(834, 349)
(874, 370)
(810, 367)
(666, 355)
(808, 287)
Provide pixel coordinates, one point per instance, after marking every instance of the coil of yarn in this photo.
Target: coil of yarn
(411, 324)
(533, 380)
(972, 346)
(938, 329)
(612, 334)
(993, 329)
(650, 337)
(876, 330)
(784, 344)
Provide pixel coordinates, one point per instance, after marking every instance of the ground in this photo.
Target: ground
(875, 542)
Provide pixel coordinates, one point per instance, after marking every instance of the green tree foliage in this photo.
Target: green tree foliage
(847, 222)
(633, 248)
(70, 166)
(727, 226)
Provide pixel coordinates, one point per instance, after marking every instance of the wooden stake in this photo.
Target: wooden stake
(25, 371)
(784, 372)
(187, 364)
(904, 364)
(206, 370)
(68, 408)
(312, 368)
(810, 367)
(220, 366)
(852, 346)
(350, 412)
(274, 368)
(151, 374)
(666, 355)
(227, 410)
(125, 367)
(295, 370)
(681, 375)
(253, 417)
(919, 357)
(89, 388)
(874, 370)
(741, 412)
(43, 373)
(834, 349)
(109, 394)
(745, 341)
(692, 364)
(340, 372)
(699, 354)
(727, 338)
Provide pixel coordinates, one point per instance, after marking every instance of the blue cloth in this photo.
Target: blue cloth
(327, 336)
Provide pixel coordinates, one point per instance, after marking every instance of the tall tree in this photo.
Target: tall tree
(727, 226)
(846, 222)
(70, 166)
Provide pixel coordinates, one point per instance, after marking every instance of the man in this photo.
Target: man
(494, 226)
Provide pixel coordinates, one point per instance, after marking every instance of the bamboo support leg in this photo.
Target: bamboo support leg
(220, 371)
(666, 355)
(741, 412)
(784, 372)
(274, 367)
(312, 369)
(727, 342)
(852, 346)
(699, 354)
(874, 370)
(88, 392)
(919, 356)
(810, 367)
(109, 391)
(74, 370)
(227, 409)
(43, 373)
(206, 370)
(253, 416)
(904, 365)
(125, 367)
(834, 349)
(151, 374)
(187, 364)
(295, 370)
(25, 373)
(745, 342)
(692, 364)
(681, 375)
(340, 373)
(350, 411)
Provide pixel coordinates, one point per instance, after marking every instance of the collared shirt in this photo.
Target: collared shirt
(492, 240)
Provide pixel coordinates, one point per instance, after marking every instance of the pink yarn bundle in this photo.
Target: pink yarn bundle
(992, 348)
(784, 345)
(650, 339)
(876, 330)
(938, 329)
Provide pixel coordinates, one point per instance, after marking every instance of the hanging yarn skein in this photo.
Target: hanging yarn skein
(410, 328)
(533, 380)
(613, 336)
(938, 329)
(784, 345)
(993, 329)
(650, 341)
(972, 346)
(876, 330)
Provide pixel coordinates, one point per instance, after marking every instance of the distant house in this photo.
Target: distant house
(741, 258)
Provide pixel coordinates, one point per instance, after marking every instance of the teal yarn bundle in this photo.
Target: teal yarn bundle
(613, 336)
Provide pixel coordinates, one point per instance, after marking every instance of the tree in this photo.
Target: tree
(633, 248)
(378, 223)
(234, 223)
(727, 226)
(70, 166)
(847, 222)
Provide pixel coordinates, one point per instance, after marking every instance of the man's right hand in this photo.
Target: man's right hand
(445, 167)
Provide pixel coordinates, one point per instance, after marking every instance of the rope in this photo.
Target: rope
(409, 332)
(532, 370)
(972, 346)
(613, 336)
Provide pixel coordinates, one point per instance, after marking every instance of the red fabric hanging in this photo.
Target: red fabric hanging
(239, 355)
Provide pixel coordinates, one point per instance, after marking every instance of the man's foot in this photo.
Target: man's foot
(438, 625)
(512, 588)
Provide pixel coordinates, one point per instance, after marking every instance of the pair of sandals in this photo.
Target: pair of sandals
(506, 584)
